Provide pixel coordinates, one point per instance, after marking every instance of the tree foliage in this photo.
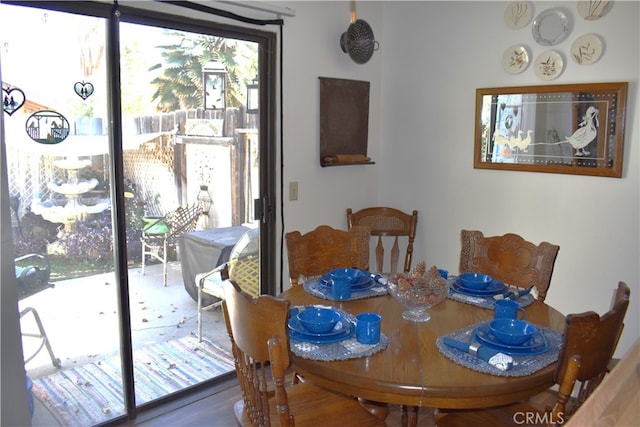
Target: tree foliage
(180, 84)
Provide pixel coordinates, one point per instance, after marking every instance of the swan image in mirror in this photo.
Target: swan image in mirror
(520, 143)
(586, 132)
(499, 139)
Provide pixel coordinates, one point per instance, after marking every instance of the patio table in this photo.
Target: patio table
(203, 250)
(411, 371)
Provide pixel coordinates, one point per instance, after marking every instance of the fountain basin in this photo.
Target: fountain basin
(68, 214)
(72, 164)
(71, 189)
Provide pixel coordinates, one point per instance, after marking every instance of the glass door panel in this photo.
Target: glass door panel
(191, 167)
(54, 80)
(190, 158)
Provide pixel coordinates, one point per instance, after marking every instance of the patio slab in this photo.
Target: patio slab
(80, 317)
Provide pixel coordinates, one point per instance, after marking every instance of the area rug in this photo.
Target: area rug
(92, 394)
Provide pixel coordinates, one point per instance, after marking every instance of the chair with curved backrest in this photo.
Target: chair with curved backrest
(383, 221)
(325, 248)
(243, 268)
(588, 338)
(510, 259)
(260, 344)
(164, 232)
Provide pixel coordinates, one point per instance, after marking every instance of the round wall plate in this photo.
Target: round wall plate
(518, 14)
(550, 27)
(548, 65)
(515, 59)
(586, 49)
(593, 9)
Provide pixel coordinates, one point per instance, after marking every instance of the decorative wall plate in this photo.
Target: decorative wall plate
(550, 27)
(593, 9)
(518, 14)
(586, 49)
(548, 65)
(515, 59)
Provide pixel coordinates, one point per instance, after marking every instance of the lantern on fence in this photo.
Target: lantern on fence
(214, 85)
(253, 94)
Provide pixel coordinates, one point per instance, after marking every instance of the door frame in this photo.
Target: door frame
(267, 57)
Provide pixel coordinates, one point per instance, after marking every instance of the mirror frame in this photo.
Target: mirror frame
(571, 100)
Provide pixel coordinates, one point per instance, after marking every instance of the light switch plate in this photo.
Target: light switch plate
(293, 191)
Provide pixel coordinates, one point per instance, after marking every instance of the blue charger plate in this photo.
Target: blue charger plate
(296, 326)
(496, 287)
(345, 334)
(364, 282)
(538, 344)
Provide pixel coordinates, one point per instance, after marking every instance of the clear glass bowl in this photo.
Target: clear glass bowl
(418, 299)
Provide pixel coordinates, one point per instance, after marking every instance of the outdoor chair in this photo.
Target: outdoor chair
(31, 279)
(243, 268)
(163, 232)
(325, 248)
(589, 343)
(383, 222)
(260, 344)
(510, 259)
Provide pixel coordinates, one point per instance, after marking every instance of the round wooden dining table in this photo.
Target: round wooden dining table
(411, 371)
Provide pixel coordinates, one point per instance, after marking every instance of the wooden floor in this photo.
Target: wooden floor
(214, 408)
(210, 407)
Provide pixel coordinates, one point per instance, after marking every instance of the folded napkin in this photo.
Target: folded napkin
(379, 279)
(524, 297)
(514, 294)
(502, 361)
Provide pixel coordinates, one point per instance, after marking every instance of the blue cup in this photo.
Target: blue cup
(368, 328)
(341, 288)
(507, 309)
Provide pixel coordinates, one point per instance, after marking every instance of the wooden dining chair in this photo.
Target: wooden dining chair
(383, 222)
(325, 248)
(510, 259)
(260, 344)
(589, 343)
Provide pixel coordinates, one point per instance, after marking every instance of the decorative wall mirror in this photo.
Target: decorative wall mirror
(572, 129)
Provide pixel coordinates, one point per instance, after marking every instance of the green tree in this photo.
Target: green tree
(180, 84)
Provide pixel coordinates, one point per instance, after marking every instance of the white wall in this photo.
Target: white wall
(312, 50)
(432, 57)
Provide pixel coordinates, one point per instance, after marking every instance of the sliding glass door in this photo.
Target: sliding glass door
(135, 152)
(55, 93)
(190, 151)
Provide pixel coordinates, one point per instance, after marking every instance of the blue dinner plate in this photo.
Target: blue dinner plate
(340, 328)
(363, 283)
(345, 334)
(496, 287)
(536, 345)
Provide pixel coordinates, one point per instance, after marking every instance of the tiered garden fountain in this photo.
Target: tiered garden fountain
(73, 190)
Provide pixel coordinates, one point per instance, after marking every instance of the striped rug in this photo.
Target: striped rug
(92, 394)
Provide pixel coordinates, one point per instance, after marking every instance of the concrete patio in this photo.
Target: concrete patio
(80, 318)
